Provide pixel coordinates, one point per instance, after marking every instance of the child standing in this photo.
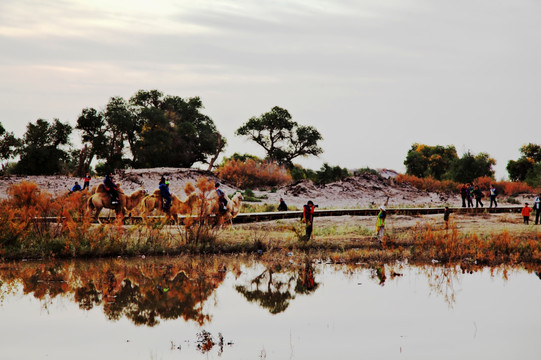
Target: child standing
(526, 214)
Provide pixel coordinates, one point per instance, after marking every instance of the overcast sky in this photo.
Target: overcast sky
(372, 76)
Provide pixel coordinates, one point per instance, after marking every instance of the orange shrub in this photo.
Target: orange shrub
(428, 183)
(251, 173)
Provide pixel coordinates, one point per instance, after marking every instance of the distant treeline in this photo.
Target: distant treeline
(155, 130)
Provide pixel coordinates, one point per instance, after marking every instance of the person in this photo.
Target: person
(446, 214)
(380, 222)
(464, 194)
(469, 192)
(166, 195)
(76, 187)
(282, 206)
(478, 196)
(493, 194)
(111, 188)
(162, 181)
(526, 214)
(537, 207)
(86, 181)
(308, 218)
(221, 198)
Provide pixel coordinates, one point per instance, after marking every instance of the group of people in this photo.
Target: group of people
(468, 192)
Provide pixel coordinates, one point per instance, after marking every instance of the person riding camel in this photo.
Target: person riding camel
(166, 195)
(111, 188)
(221, 198)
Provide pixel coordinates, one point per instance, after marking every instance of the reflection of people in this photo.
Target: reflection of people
(282, 206)
(86, 181)
(166, 195)
(380, 222)
(537, 207)
(308, 217)
(76, 187)
(221, 198)
(526, 213)
(111, 188)
(446, 214)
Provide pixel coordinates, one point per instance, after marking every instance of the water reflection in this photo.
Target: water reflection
(274, 288)
(145, 291)
(142, 291)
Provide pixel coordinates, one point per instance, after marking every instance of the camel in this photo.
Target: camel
(154, 202)
(233, 207)
(101, 199)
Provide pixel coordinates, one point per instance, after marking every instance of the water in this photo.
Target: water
(155, 309)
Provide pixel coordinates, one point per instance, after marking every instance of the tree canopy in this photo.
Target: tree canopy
(282, 138)
(435, 161)
(43, 152)
(528, 166)
(8, 146)
(149, 130)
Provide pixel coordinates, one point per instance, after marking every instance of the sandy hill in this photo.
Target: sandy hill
(358, 191)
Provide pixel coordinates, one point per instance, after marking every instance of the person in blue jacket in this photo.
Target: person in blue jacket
(76, 187)
(166, 195)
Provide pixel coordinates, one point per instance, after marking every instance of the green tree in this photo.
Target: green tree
(527, 167)
(435, 161)
(470, 167)
(43, 151)
(174, 131)
(281, 137)
(8, 147)
(105, 135)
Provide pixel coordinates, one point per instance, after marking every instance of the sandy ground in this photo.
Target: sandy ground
(354, 192)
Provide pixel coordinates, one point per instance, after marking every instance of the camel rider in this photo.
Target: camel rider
(111, 188)
(222, 201)
(166, 195)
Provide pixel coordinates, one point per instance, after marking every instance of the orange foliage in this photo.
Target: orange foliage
(251, 173)
(508, 188)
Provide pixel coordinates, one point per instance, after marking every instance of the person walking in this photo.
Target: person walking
(463, 194)
(493, 194)
(478, 196)
(469, 191)
(537, 207)
(526, 211)
(380, 222)
(308, 218)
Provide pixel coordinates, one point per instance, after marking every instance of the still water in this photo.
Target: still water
(241, 308)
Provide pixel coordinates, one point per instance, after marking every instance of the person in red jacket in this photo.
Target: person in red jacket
(526, 214)
(308, 218)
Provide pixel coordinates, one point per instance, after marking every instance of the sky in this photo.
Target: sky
(372, 76)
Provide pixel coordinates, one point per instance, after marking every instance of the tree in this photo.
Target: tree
(8, 146)
(435, 161)
(528, 166)
(282, 138)
(470, 167)
(42, 151)
(174, 131)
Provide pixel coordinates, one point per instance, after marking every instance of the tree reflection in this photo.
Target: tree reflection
(273, 288)
(142, 291)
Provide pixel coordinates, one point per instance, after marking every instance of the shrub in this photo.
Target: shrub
(252, 173)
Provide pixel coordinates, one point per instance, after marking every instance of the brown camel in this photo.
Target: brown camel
(101, 199)
(154, 202)
(233, 207)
